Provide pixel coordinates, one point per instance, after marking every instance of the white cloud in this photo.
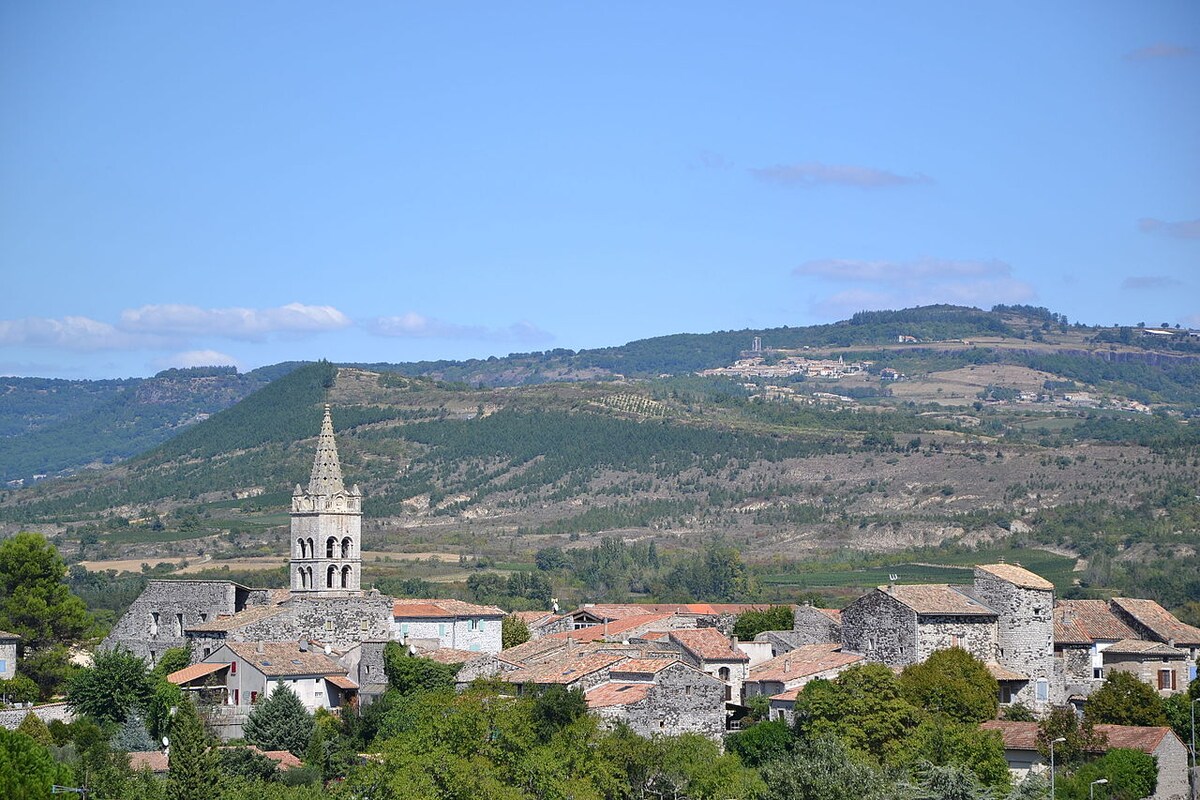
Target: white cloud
(1188, 229)
(67, 333)
(198, 358)
(1159, 50)
(901, 284)
(412, 325)
(233, 323)
(814, 173)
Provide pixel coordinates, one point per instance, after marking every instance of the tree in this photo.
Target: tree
(280, 723)
(863, 707)
(245, 762)
(115, 684)
(34, 601)
(555, 708)
(751, 623)
(939, 741)
(33, 727)
(407, 673)
(27, 771)
(192, 761)
(953, 682)
(172, 660)
(1081, 737)
(761, 743)
(513, 631)
(133, 736)
(1131, 775)
(823, 770)
(50, 668)
(1123, 699)
(19, 689)
(949, 782)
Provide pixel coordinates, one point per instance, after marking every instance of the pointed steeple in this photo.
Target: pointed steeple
(327, 472)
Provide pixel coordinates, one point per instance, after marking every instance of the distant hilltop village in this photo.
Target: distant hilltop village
(759, 363)
(659, 668)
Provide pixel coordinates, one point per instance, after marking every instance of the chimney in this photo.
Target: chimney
(304, 645)
(328, 649)
(258, 647)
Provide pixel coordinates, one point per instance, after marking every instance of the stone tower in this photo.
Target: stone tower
(326, 532)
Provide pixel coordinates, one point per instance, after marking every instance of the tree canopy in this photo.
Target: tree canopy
(280, 723)
(1124, 699)
(116, 684)
(953, 682)
(35, 603)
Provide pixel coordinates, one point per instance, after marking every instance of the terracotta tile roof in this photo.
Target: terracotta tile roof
(1004, 673)
(607, 695)
(533, 651)
(1018, 575)
(1023, 735)
(788, 695)
(834, 614)
(285, 658)
(1160, 621)
(342, 682)
(188, 674)
(563, 671)
(611, 629)
(1143, 647)
(536, 619)
(412, 609)
(1067, 629)
(645, 666)
(153, 760)
(802, 662)
(620, 610)
(451, 655)
(708, 644)
(937, 598)
(1095, 619)
(234, 621)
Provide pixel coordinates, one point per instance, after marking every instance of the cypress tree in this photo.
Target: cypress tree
(192, 763)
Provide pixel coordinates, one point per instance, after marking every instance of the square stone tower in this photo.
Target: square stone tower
(1025, 628)
(326, 531)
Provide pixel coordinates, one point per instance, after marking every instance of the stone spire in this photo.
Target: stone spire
(326, 477)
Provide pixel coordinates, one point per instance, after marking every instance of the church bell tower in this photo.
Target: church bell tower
(326, 531)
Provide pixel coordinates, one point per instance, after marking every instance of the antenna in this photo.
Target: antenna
(893, 577)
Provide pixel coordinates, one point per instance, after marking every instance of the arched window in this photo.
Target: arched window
(723, 673)
(301, 549)
(346, 547)
(345, 577)
(331, 577)
(330, 545)
(312, 549)
(311, 584)
(303, 579)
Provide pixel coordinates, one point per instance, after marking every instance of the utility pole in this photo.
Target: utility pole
(1052, 743)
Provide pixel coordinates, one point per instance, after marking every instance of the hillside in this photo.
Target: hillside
(995, 442)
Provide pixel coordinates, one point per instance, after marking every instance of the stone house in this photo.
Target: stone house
(1162, 666)
(898, 625)
(792, 670)
(709, 650)
(1170, 753)
(9, 642)
(1154, 623)
(661, 697)
(583, 671)
(1024, 604)
(453, 624)
(811, 625)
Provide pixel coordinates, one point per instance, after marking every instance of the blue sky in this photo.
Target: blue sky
(192, 183)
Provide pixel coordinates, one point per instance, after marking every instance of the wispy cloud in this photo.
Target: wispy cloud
(418, 326)
(899, 284)
(233, 323)
(198, 358)
(814, 173)
(1150, 282)
(67, 333)
(1188, 229)
(1159, 50)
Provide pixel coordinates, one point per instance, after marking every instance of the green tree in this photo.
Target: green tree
(513, 631)
(1123, 699)
(953, 682)
(33, 727)
(824, 769)
(50, 668)
(556, 707)
(863, 707)
(192, 761)
(280, 723)
(407, 673)
(761, 743)
(116, 684)
(245, 762)
(940, 741)
(34, 601)
(1081, 736)
(949, 782)
(752, 623)
(174, 659)
(1131, 775)
(19, 689)
(27, 771)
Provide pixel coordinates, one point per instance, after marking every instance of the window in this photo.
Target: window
(1098, 673)
(203, 617)
(472, 624)
(441, 629)
(404, 629)
(328, 625)
(179, 625)
(687, 690)
(954, 640)
(154, 623)
(233, 668)
(1166, 679)
(207, 650)
(474, 648)
(1005, 694)
(364, 626)
(1042, 690)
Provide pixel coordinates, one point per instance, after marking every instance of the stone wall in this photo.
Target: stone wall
(11, 718)
(342, 622)
(881, 628)
(814, 626)
(681, 700)
(193, 602)
(453, 632)
(1025, 630)
(1172, 755)
(1146, 668)
(8, 659)
(975, 634)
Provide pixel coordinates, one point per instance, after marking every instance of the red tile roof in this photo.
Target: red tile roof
(806, 660)
(1160, 621)
(285, 658)
(153, 760)
(451, 655)
(645, 666)
(610, 629)
(442, 609)
(342, 682)
(708, 644)
(619, 610)
(937, 598)
(616, 694)
(1004, 673)
(563, 671)
(1023, 735)
(188, 674)
(1095, 619)
(1143, 647)
(1017, 575)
